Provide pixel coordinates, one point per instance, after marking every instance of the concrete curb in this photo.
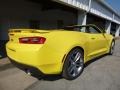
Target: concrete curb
(4, 61)
(117, 38)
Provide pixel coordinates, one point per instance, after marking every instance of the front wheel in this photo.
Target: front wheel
(112, 47)
(74, 64)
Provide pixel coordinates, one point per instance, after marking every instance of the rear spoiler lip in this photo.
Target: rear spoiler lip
(28, 31)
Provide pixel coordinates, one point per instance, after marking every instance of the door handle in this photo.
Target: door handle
(93, 38)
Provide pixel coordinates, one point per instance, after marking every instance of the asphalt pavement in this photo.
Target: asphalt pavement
(100, 74)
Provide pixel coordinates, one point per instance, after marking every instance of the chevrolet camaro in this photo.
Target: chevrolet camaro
(61, 51)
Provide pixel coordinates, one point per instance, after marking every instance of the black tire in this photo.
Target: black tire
(112, 47)
(74, 64)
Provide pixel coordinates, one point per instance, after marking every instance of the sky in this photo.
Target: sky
(115, 4)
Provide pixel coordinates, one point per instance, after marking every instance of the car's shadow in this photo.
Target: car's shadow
(50, 77)
(57, 77)
(93, 60)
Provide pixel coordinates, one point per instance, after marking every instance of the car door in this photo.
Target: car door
(97, 43)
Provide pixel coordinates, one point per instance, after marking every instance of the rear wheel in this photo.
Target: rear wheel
(74, 64)
(112, 47)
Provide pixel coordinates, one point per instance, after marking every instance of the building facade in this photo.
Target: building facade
(52, 14)
(45, 14)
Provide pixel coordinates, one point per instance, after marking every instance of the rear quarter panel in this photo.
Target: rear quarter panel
(64, 41)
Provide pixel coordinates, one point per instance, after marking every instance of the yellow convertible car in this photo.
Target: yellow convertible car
(63, 51)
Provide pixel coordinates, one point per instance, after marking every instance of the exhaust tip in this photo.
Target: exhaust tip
(28, 72)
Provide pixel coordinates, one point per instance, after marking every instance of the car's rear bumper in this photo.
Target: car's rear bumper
(33, 70)
(44, 59)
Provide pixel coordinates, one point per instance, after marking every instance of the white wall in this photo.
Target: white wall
(100, 10)
(80, 4)
(116, 19)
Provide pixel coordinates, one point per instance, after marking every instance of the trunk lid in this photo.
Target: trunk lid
(15, 34)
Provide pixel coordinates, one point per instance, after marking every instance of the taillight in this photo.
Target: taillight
(32, 40)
